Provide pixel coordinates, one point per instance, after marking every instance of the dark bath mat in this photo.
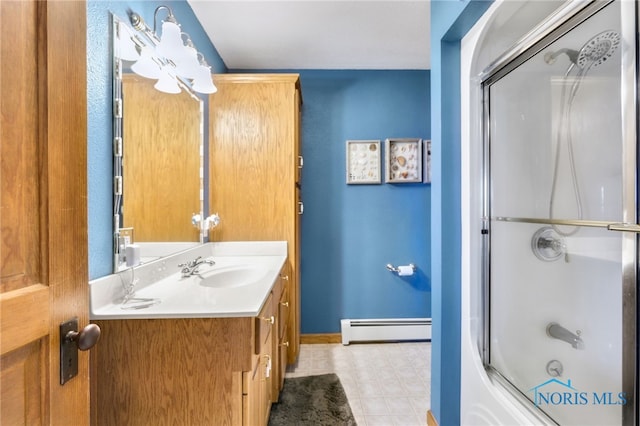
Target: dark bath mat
(312, 400)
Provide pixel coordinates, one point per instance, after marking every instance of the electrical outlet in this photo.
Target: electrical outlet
(126, 235)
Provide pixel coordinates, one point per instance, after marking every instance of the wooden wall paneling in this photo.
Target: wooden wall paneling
(161, 162)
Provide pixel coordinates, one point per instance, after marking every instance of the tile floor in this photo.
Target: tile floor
(387, 384)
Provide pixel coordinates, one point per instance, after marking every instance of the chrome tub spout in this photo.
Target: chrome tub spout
(557, 331)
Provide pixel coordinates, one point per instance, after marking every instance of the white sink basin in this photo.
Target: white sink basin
(232, 276)
(237, 285)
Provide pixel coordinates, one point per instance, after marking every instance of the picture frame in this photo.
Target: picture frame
(403, 160)
(427, 161)
(363, 162)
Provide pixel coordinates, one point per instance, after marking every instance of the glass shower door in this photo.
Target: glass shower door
(560, 268)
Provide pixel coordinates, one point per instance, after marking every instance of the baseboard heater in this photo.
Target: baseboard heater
(385, 330)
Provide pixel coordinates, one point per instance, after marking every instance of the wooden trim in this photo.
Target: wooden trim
(320, 338)
(431, 420)
(21, 326)
(258, 78)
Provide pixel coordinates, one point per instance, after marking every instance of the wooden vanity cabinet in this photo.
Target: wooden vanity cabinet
(255, 168)
(217, 371)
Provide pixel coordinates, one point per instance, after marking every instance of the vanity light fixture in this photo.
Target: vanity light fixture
(202, 78)
(167, 82)
(171, 58)
(146, 66)
(127, 49)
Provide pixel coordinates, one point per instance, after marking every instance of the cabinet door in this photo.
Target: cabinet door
(251, 407)
(281, 312)
(283, 335)
(254, 158)
(267, 365)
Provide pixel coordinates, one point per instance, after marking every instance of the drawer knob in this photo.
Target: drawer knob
(270, 320)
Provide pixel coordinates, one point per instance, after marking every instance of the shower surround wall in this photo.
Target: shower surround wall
(582, 290)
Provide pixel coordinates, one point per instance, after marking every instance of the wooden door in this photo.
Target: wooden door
(43, 143)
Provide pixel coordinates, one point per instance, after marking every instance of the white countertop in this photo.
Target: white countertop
(259, 261)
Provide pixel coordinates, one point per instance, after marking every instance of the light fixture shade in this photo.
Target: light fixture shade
(202, 82)
(187, 64)
(167, 83)
(146, 66)
(126, 47)
(170, 44)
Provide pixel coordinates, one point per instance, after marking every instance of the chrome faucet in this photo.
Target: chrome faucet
(190, 268)
(557, 331)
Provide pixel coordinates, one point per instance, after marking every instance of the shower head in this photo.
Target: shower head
(594, 52)
(597, 50)
(550, 57)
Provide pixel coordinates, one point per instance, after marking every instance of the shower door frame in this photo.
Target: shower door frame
(557, 25)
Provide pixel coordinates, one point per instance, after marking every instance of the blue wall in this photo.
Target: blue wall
(99, 95)
(450, 21)
(350, 232)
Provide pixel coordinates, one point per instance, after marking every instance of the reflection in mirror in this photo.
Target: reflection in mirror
(161, 162)
(158, 156)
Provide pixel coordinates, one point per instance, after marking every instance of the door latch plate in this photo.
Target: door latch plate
(68, 351)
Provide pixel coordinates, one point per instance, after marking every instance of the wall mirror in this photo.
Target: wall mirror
(158, 154)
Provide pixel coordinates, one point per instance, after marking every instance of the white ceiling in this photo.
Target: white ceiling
(318, 34)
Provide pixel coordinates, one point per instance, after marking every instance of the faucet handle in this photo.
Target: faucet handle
(190, 264)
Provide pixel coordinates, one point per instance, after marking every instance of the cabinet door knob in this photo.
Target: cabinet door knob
(285, 277)
(285, 304)
(270, 320)
(284, 344)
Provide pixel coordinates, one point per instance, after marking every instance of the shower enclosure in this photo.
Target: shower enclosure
(559, 228)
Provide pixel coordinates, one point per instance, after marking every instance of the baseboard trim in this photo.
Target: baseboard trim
(431, 421)
(320, 338)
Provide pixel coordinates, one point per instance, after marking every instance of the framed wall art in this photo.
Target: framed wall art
(427, 161)
(363, 162)
(403, 160)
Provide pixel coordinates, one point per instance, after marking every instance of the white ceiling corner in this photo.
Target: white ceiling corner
(318, 34)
